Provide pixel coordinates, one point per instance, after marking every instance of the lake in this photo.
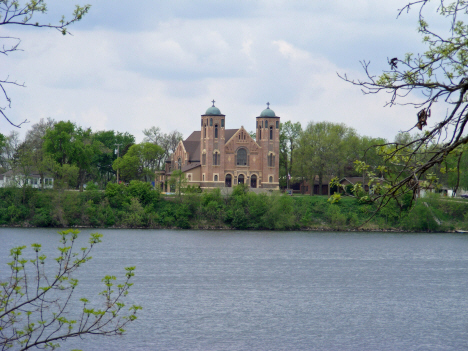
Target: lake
(243, 290)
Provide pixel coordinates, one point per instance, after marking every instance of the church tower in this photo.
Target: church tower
(267, 137)
(212, 140)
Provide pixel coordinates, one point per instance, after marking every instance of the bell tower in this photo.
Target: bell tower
(212, 140)
(268, 138)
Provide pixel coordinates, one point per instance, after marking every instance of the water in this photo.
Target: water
(232, 290)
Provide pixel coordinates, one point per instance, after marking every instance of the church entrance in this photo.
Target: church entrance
(253, 181)
(240, 179)
(228, 181)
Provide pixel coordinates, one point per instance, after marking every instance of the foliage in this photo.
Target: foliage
(167, 141)
(111, 140)
(323, 150)
(139, 163)
(34, 305)
(178, 181)
(138, 205)
(438, 77)
(289, 133)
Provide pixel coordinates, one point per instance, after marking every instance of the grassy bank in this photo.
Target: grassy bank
(138, 206)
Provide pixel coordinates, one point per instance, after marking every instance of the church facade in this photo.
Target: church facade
(215, 157)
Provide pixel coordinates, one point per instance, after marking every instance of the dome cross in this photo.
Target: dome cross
(268, 105)
(213, 102)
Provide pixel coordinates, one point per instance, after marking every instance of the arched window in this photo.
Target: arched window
(203, 177)
(228, 181)
(204, 159)
(271, 133)
(204, 132)
(240, 179)
(216, 131)
(259, 134)
(266, 124)
(277, 124)
(271, 160)
(222, 123)
(242, 157)
(270, 179)
(216, 159)
(179, 163)
(211, 122)
(216, 178)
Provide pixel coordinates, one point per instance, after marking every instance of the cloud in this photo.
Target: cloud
(128, 68)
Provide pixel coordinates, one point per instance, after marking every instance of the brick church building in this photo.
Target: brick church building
(218, 157)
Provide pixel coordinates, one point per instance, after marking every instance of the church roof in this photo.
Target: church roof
(190, 166)
(268, 112)
(195, 136)
(213, 111)
(228, 133)
(192, 143)
(192, 146)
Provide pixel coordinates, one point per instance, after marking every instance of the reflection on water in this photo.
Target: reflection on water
(231, 290)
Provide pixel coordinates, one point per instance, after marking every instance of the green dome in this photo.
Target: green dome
(213, 111)
(268, 112)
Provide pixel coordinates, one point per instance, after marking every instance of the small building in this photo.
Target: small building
(313, 188)
(217, 157)
(17, 179)
(307, 188)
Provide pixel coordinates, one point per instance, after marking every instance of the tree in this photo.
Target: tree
(14, 12)
(10, 145)
(178, 181)
(34, 142)
(289, 134)
(34, 306)
(438, 76)
(2, 145)
(2, 141)
(168, 142)
(140, 162)
(111, 140)
(58, 141)
(68, 144)
(85, 151)
(322, 150)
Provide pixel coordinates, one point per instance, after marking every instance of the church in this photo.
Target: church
(216, 157)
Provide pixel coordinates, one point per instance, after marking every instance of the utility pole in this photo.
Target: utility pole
(118, 155)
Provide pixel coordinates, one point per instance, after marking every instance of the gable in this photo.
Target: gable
(241, 138)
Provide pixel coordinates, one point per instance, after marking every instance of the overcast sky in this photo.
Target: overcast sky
(131, 66)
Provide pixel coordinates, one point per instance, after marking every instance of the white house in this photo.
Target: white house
(12, 178)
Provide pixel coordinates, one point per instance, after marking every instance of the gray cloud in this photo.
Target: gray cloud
(160, 63)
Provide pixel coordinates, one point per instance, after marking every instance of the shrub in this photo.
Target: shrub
(335, 217)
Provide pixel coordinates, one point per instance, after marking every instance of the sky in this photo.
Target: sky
(130, 66)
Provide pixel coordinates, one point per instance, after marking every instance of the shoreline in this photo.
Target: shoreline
(214, 228)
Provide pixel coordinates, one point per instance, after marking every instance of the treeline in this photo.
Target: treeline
(74, 155)
(139, 206)
(324, 149)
